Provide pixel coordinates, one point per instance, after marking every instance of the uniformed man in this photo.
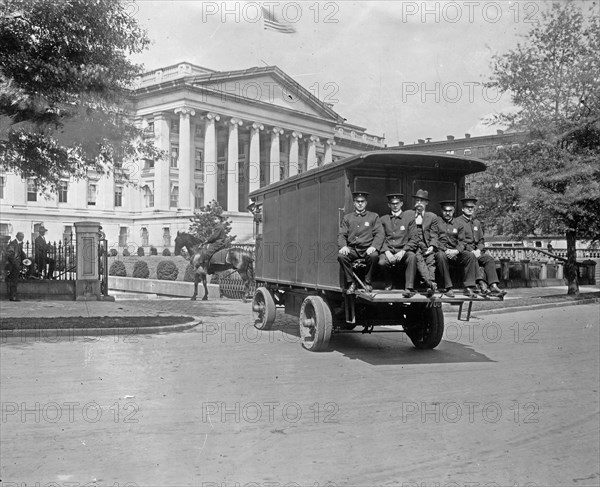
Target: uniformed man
(214, 243)
(41, 255)
(427, 230)
(475, 243)
(451, 250)
(401, 241)
(360, 236)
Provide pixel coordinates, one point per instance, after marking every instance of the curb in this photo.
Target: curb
(55, 334)
(556, 304)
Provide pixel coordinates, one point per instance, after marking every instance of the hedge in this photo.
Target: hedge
(117, 268)
(140, 270)
(167, 270)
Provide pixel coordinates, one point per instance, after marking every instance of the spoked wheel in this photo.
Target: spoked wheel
(315, 324)
(426, 326)
(263, 309)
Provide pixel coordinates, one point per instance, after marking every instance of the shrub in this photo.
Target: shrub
(140, 269)
(117, 268)
(153, 251)
(189, 273)
(167, 270)
(126, 253)
(113, 252)
(166, 253)
(140, 251)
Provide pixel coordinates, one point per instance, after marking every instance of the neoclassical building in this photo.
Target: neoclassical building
(226, 133)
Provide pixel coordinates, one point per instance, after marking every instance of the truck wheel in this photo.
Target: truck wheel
(263, 309)
(426, 327)
(315, 324)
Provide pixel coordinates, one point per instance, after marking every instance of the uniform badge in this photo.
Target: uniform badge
(366, 224)
(475, 228)
(454, 230)
(402, 227)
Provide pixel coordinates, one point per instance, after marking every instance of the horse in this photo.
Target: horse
(235, 258)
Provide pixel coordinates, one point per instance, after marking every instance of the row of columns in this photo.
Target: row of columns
(186, 189)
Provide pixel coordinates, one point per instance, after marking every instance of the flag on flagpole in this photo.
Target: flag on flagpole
(271, 22)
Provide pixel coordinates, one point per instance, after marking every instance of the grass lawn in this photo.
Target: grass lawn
(92, 322)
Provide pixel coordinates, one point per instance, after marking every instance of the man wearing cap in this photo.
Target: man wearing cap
(427, 231)
(360, 236)
(475, 243)
(401, 241)
(42, 249)
(451, 250)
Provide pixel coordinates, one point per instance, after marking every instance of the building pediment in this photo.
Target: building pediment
(267, 85)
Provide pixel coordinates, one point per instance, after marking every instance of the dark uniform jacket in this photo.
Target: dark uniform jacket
(400, 233)
(217, 240)
(473, 234)
(41, 249)
(430, 227)
(361, 231)
(452, 234)
(14, 258)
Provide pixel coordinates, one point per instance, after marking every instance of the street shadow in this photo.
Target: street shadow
(388, 348)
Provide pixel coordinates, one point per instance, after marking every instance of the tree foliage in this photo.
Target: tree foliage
(204, 221)
(551, 183)
(64, 73)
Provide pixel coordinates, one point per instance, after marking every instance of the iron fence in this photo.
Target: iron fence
(58, 261)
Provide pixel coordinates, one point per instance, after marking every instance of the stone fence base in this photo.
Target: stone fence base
(42, 289)
(158, 286)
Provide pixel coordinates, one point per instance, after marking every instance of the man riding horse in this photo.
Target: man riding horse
(214, 243)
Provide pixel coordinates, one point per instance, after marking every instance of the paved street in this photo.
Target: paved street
(507, 399)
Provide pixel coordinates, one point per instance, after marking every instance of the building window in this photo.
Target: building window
(199, 197)
(123, 237)
(4, 228)
(68, 234)
(118, 196)
(199, 163)
(2, 185)
(91, 194)
(31, 190)
(145, 237)
(148, 163)
(166, 237)
(174, 155)
(63, 191)
(174, 126)
(199, 130)
(149, 196)
(174, 196)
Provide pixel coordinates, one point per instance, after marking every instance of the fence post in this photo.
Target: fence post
(87, 285)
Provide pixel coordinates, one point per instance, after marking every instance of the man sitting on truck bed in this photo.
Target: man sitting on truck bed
(451, 251)
(360, 237)
(401, 241)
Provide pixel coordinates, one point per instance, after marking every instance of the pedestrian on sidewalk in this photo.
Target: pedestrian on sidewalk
(14, 262)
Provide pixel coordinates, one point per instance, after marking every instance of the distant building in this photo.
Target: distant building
(225, 132)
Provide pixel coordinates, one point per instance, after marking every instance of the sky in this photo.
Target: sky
(402, 69)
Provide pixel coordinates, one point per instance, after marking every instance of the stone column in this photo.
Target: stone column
(311, 156)
(294, 160)
(328, 156)
(233, 180)
(185, 158)
(87, 285)
(254, 157)
(210, 158)
(274, 160)
(162, 183)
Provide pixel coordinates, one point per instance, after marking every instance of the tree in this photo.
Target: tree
(552, 182)
(64, 73)
(203, 222)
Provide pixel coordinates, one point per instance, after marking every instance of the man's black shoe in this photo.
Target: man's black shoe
(448, 293)
(496, 291)
(409, 293)
(483, 288)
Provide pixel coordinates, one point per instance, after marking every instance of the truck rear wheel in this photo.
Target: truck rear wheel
(263, 309)
(426, 326)
(315, 324)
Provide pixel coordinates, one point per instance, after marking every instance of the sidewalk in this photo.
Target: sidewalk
(516, 300)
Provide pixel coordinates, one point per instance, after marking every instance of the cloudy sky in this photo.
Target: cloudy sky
(403, 69)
